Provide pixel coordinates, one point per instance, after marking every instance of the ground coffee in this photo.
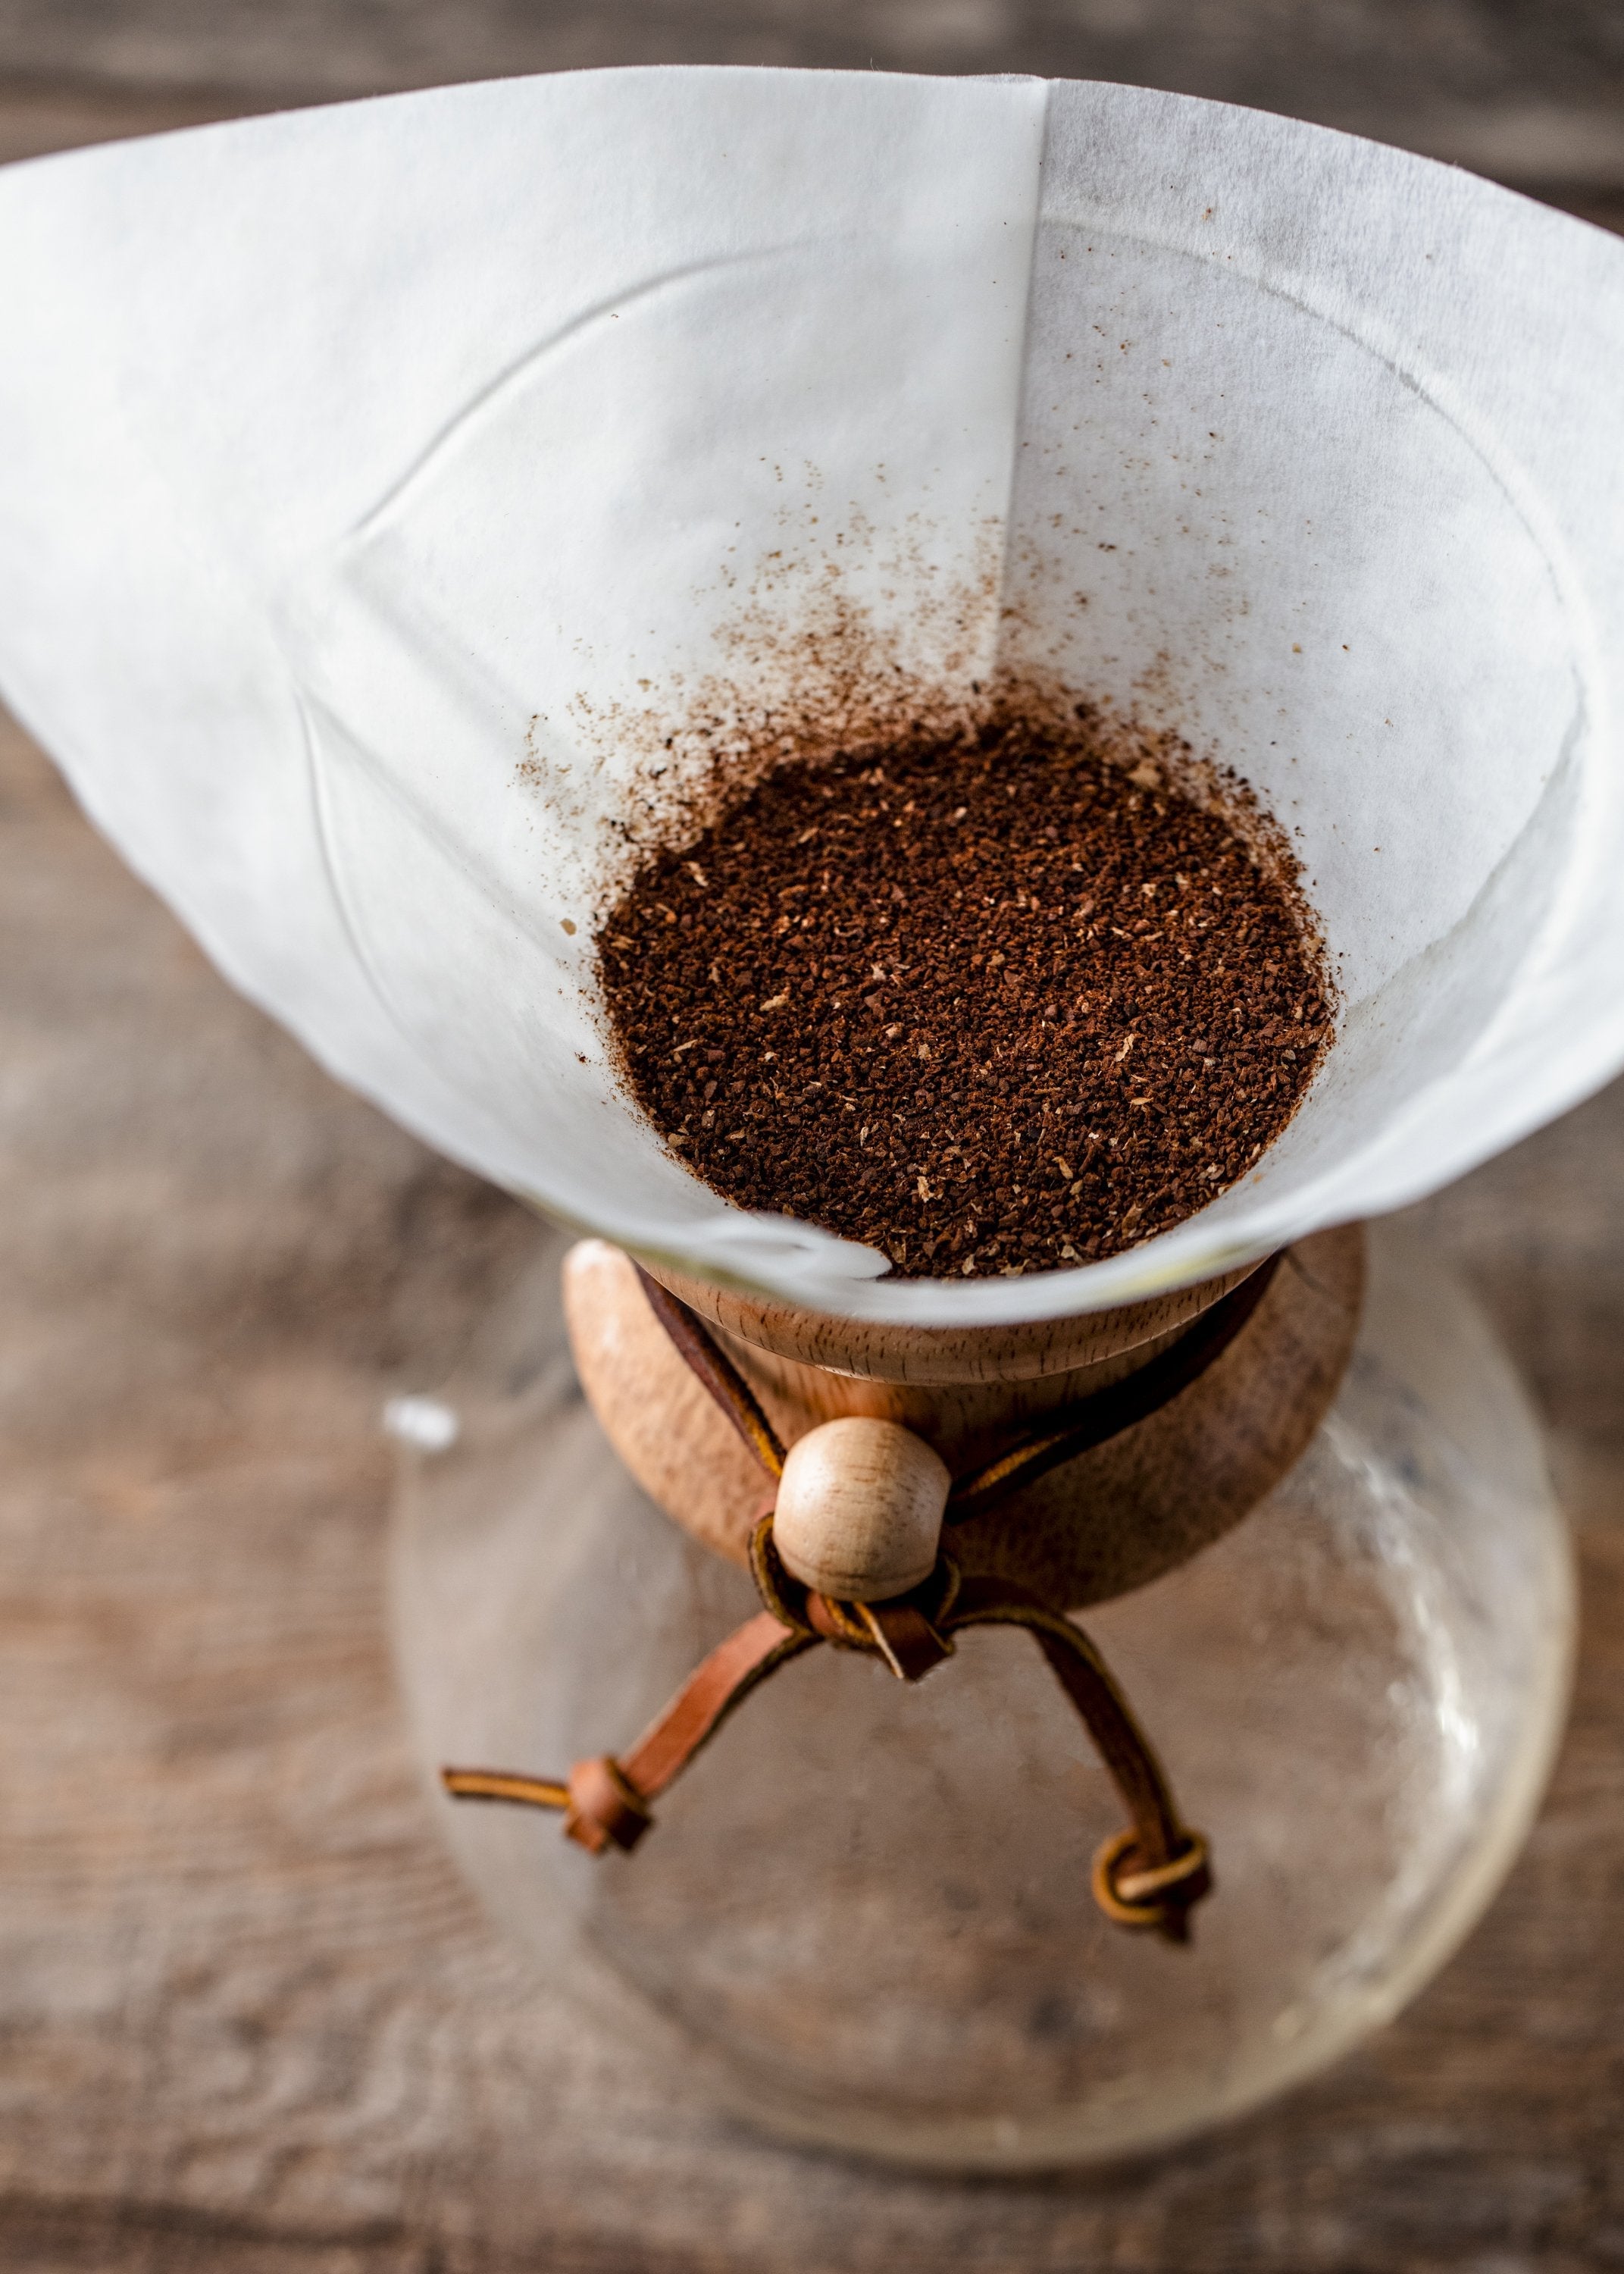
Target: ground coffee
(991, 1008)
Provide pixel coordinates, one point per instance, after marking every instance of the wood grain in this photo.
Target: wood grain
(250, 2023)
(858, 1514)
(1530, 91)
(1110, 1518)
(926, 1357)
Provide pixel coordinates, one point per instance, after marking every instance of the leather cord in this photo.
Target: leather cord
(1105, 1413)
(709, 1362)
(1151, 1874)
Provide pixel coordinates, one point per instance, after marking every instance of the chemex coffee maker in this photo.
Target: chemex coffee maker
(984, 1723)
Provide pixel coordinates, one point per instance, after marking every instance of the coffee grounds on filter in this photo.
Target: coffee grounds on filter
(992, 1008)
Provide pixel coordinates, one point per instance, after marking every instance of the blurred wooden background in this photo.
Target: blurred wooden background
(1529, 91)
(250, 2023)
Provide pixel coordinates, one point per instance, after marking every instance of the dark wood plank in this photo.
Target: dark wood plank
(250, 2021)
(1530, 92)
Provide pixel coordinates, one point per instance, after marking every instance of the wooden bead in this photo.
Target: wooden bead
(1095, 1528)
(858, 1512)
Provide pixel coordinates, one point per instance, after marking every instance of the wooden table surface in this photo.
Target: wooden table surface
(251, 2023)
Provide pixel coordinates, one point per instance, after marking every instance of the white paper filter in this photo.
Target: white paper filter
(384, 486)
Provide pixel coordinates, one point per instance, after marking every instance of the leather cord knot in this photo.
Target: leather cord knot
(906, 1632)
(1150, 1875)
(605, 1805)
(1134, 1892)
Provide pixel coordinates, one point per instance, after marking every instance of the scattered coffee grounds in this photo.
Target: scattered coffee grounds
(991, 1008)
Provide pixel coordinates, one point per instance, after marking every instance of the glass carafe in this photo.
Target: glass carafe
(865, 1910)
